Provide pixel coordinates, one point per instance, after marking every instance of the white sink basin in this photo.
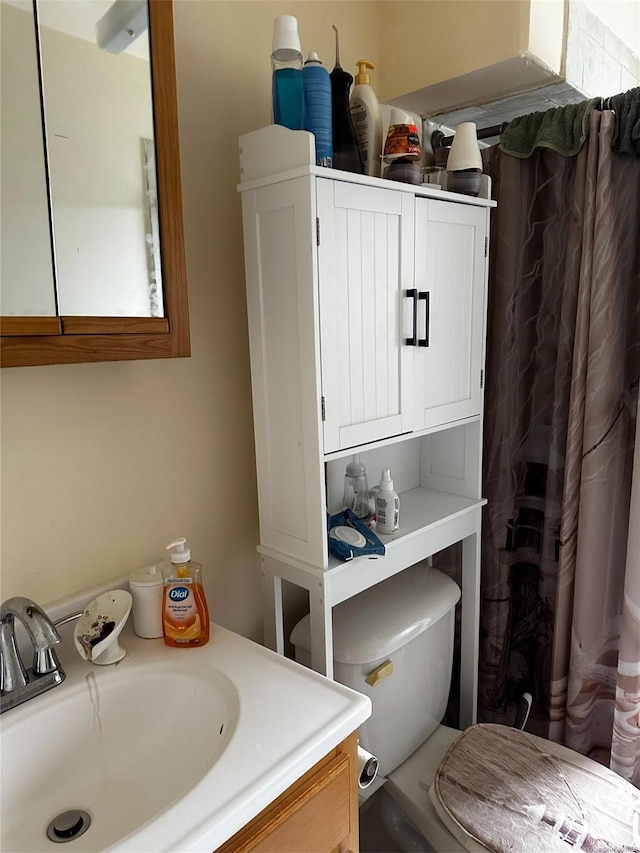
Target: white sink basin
(103, 745)
(169, 749)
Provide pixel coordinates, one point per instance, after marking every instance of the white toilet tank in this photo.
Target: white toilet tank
(409, 621)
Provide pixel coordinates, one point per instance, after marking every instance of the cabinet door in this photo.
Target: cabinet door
(450, 280)
(279, 221)
(317, 814)
(365, 263)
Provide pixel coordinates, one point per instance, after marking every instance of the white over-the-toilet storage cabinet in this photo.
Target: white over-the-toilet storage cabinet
(367, 304)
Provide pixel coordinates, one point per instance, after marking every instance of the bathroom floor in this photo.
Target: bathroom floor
(384, 828)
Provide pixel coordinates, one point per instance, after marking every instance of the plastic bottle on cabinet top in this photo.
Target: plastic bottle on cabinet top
(367, 120)
(287, 89)
(387, 505)
(317, 107)
(346, 153)
(185, 615)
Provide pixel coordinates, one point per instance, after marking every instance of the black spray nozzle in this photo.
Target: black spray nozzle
(337, 46)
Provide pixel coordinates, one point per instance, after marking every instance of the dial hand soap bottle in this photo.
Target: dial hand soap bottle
(185, 615)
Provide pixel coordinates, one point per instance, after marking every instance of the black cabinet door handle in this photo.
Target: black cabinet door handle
(424, 297)
(412, 293)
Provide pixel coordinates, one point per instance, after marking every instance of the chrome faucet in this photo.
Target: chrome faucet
(18, 684)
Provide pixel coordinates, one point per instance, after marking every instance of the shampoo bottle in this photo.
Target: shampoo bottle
(387, 505)
(367, 121)
(286, 81)
(317, 107)
(185, 615)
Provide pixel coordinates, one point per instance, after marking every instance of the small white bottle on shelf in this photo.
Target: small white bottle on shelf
(387, 505)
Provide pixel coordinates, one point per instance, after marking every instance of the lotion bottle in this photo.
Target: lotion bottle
(387, 505)
(367, 121)
(185, 615)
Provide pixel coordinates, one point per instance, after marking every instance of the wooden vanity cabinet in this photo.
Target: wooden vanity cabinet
(317, 814)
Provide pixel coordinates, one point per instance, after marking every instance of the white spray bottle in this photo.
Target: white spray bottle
(387, 505)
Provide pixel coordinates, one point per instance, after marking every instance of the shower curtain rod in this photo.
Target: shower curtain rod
(439, 140)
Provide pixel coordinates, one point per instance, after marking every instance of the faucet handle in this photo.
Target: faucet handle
(12, 671)
(45, 661)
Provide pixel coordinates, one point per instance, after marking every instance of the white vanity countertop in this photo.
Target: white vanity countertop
(283, 719)
(289, 718)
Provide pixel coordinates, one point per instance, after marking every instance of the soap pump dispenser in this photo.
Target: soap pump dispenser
(185, 615)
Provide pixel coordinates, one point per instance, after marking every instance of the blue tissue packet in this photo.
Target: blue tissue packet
(347, 550)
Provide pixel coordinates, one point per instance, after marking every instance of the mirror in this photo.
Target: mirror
(113, 185)
(26, 277)
(101, 154)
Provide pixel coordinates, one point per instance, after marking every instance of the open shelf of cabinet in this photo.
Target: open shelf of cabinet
(366, 302)
(431, 521)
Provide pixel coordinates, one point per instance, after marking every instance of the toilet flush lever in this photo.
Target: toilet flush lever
(383, 671)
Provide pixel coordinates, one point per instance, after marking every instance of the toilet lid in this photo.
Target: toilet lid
(501, 789)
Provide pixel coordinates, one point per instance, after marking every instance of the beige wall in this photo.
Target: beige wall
(103, 464)
(547, 32)
(443, 39)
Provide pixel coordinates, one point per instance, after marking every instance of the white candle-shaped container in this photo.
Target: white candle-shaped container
(146, 589)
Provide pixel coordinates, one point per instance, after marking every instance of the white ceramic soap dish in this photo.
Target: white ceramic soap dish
(96, 632)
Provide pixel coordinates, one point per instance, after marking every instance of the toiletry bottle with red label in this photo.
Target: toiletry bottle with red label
(185, 615)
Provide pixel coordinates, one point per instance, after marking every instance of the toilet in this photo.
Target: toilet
(488, 788)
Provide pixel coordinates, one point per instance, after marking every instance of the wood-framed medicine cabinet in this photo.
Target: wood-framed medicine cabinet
(42, 340)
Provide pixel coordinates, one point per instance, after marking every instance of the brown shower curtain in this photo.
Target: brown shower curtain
(561, 568)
